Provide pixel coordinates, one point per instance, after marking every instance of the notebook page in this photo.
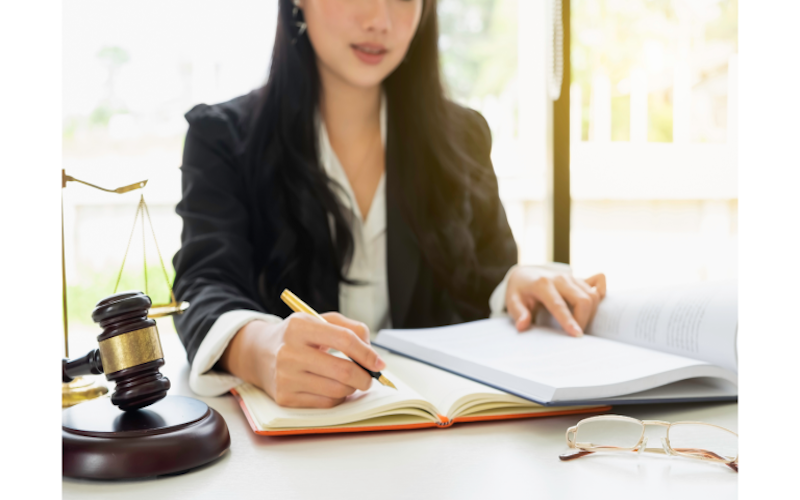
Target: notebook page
(543, 364)
(449, 393)
(697, 321)
(378, 401)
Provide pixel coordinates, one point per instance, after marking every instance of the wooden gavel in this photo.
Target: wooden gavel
(129, 352)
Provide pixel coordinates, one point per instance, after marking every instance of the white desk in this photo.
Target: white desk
(507, 459)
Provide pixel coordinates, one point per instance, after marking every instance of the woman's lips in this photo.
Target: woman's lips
(369, 53)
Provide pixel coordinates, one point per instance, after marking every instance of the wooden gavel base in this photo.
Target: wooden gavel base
(173, 435)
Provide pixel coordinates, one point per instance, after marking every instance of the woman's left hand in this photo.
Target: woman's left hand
(572, 301)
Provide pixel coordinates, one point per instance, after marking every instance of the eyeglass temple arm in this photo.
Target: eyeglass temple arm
(573, 454)
(707, 454)
(578, 453)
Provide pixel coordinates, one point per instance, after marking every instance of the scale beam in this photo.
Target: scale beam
(124, 189)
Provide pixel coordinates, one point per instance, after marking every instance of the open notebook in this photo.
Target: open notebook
(425, 397)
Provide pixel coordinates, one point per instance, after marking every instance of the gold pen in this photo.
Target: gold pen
(298, 305)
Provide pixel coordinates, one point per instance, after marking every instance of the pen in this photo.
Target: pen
(298, 305)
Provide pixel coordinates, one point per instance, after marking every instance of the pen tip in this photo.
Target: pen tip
(385, 381)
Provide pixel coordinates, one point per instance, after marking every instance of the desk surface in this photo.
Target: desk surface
(505, 459)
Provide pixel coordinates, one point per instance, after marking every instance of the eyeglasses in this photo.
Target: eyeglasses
(697, 440)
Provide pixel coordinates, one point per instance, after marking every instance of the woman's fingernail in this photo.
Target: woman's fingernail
(380, 364)
(576, 328)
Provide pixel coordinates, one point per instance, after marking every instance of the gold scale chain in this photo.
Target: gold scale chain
(142, 208)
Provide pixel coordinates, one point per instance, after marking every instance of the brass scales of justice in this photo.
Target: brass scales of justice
(86, 388)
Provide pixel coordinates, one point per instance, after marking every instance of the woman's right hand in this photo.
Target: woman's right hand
(289, 360)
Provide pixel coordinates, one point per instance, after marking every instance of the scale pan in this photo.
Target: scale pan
(161, 310)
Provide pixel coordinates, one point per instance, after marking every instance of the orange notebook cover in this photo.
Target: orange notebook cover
(443, 423)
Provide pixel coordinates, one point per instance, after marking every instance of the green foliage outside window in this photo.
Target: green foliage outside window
(612, 37)
(478, 43)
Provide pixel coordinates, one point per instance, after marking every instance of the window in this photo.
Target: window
(653, 107)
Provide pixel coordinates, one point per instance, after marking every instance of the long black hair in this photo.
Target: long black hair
(439, 190)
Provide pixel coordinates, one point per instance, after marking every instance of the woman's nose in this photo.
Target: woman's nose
(375, 16)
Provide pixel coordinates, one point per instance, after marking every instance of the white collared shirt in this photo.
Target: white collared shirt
(368, 303)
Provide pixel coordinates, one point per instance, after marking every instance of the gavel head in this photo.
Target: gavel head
(130, 349)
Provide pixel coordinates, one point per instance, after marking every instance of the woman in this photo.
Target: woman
(351, 180)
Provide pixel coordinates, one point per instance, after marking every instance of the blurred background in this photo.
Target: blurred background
(653, 114)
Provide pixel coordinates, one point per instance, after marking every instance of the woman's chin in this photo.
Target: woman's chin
(365, 78)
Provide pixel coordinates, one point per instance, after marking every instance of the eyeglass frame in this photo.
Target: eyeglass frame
(641, 444)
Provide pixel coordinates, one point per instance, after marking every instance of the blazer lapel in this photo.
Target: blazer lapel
(402, 250)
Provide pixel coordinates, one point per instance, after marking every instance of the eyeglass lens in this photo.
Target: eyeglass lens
(621, 433)
(703, 441)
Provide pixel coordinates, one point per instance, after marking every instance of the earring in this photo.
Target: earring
(300, 24)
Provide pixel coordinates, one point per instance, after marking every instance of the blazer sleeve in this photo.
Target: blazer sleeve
(495, 248)
(214, 269)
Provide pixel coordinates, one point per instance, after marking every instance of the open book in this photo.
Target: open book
(425, 397)
(661, 345)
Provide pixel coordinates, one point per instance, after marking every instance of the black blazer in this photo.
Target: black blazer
(225, 240)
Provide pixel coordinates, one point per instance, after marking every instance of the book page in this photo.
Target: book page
(378, 401)
(542, 364)
(697, 321)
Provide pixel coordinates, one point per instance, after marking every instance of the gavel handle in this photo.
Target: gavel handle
(90, 364)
